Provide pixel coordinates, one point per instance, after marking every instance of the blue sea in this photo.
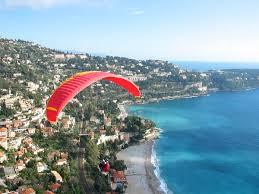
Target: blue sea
(209, 144)
(205, 66)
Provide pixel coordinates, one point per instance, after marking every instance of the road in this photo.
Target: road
(86, 183)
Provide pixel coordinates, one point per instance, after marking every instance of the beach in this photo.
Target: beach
(140, 171)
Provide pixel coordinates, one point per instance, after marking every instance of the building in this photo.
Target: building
(118, 180)
(41, 167)
(136, 78)
(90, 135)
(48, 192)
(19, 166)
(3, 132)
(67, 122)
(54, 187)
(61, 162)
(125, 137)
(15, 143)
(11, 133)
(27, 191)
(8, 172)
(47, 131)
(31, 130)
(57, 176)
(35, 149)
(59, 56)
(3, 138)
(104, 139)
(27, 141)
(2, 157)
(32, 87)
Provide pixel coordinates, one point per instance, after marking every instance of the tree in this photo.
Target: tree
(6, 112)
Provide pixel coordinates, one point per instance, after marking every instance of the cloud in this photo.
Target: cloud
(39, 4)
(136, 12)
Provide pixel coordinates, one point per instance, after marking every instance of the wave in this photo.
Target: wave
(155, 163)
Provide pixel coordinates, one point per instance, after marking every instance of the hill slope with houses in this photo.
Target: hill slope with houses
(37, 156)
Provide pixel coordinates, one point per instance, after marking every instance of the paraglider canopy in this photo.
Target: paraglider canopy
(72, 86)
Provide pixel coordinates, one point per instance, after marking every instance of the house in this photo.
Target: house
(32, 86)
(28, 191)
(124, 136)
(57, 176)
(53, 155)
(90, 135)
(54, 187)
(31, 130)
(19, 130)
(17, 123)
(41, 167)
(26, 160)
(8, 172)
(59, 56)
(70, 56)
(104, 139)
(3, 143)
(48, 192)
(11, 133)
(102, 132)
(35, 149)
(3, 132)
(19, 166)
(67, 122)
(6, 123)
(107, 121)
(15, 143)
(61, 162)
(118, 180)
(2, 157)
(64, 155)
(94, 119)
(27, 141)
(47, 131)
(19, 153)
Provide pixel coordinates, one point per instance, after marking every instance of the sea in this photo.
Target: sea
(208, 144)
(205, 65)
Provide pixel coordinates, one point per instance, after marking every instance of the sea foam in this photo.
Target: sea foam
(155, 163)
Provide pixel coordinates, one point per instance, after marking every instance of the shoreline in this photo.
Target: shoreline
(150, 179)
(140, 171)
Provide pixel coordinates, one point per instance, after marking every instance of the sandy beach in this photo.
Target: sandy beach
(140, 171)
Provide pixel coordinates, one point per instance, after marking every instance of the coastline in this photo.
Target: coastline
(140, 171)
(143, 156)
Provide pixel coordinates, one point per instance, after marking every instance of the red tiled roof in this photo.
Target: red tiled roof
(118, 176)
(48, 192)
(55, 186)
(28, 191)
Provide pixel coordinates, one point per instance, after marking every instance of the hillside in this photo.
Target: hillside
(24, 62)
(91, 128)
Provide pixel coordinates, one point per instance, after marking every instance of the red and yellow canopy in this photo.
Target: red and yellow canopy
(72, 86)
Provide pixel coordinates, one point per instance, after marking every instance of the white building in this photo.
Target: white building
(41, 167)
(103, 138)
(3, 138)
(2, 157)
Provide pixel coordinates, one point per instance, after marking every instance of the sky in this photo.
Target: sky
(189, 30)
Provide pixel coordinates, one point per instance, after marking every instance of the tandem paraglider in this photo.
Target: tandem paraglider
(73, 85)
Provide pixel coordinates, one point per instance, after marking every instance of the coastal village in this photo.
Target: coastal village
(33, 151)
(18, 147)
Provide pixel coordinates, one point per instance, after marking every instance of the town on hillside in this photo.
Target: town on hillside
(78, 154)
